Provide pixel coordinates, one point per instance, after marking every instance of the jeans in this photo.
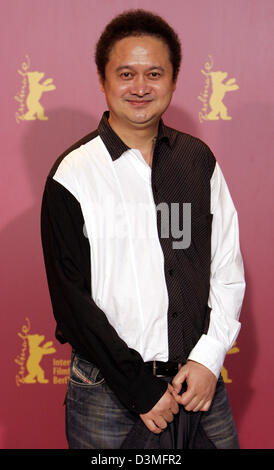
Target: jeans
(96, 419)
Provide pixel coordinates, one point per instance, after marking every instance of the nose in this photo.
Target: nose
(139, 85)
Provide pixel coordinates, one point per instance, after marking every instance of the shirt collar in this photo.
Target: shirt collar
(115, 146)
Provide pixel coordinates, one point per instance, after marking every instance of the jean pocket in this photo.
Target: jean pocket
(84, 373)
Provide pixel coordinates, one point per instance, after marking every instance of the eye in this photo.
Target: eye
(154, 74)
(126, 75)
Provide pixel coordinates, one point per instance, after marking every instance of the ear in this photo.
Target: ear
(101, 82)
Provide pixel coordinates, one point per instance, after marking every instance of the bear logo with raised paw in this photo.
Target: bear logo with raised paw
(219, 89)
(36, 352)
(36, 89)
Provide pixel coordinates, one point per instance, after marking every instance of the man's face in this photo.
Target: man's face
(138, 81)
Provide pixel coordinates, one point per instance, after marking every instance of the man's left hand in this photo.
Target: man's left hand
(201, 385)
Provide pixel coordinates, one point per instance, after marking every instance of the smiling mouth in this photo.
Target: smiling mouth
(139, 102)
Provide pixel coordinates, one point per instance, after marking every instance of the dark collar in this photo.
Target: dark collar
(116, 147)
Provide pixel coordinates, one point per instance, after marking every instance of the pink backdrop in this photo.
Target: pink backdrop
(58, 38)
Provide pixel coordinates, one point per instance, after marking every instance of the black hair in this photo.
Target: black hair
(137, 23)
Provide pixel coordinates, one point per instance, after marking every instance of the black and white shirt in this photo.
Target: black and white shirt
(106, 267)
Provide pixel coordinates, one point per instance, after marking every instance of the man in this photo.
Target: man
(136, 307)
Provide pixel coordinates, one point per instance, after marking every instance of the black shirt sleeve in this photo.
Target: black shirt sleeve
(79, 320)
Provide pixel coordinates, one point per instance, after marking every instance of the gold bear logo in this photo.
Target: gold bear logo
(219, 89)
(36, 89)
(36, 352)
(215, 89)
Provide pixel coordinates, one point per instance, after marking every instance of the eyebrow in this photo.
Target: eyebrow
(154, 67)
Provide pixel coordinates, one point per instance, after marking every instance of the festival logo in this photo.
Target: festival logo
(30, 93)
(33, 349)
(215, 88)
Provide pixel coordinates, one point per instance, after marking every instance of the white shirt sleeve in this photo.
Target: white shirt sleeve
(227, 284)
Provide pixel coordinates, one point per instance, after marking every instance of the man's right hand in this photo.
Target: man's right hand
(157, 419)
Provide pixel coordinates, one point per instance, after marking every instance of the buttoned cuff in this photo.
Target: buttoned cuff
(210, 353)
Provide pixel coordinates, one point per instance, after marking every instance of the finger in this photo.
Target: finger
(192, 404)
(168, 416)
(175, 407)
(178, 399)
(151, 426)
(179, 379)
(172, 392)
(206, 406)
(173, 403)
(160, 422)
(198, 407)
(155, 429)
(171, 389)
(187, 396)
